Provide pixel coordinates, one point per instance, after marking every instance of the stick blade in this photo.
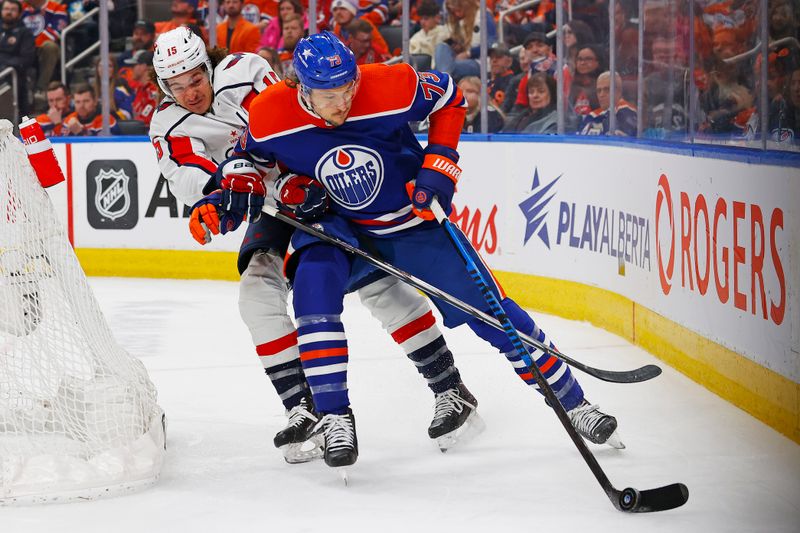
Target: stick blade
(636, 375)
(652, 500)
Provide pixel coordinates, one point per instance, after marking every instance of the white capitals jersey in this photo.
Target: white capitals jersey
(190, 146)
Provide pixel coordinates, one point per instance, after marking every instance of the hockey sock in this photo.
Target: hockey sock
(281, 361)
(555, 371)
(407, 316)
(425, 346)
(319, 283)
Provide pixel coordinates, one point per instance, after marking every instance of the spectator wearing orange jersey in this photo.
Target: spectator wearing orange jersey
(360, 42)
(235, 33)
(344, 12)
(59, 101)
(86, 120)
(46, 19)
(184, 13)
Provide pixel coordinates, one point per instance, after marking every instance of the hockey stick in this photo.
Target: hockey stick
(628, 500)
(622, 376)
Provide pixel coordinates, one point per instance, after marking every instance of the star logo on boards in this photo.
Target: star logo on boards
(534, 209)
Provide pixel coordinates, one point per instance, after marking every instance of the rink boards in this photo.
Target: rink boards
(693, 256)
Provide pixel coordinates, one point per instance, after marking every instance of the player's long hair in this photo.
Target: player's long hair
(215, 55)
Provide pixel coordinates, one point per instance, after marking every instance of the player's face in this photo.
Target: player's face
(333, 105)
(192, 90)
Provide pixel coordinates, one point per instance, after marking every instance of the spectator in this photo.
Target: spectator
(260, 12)
(145, 92)
(360, 42)
(782, 19)
(728, 89)
(471, 88)
(17, 49)
(542, 59)
(273, 34)
(184, 13)
(45, 19)
(500, 73)
(589, 63)
(86, 120)
(59, 103)
(458, 54)
(292, 33)
(122, 103)
(142, 38)
(344, 12)
(789, 124)
(272, 57)
(509, 102)
(541, 116)
(665, 89)
(597, 122)
(431, 33)
(576, 35)
(235, 33)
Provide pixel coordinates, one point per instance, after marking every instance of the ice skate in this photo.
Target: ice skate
(297, 440)
(455, 419)
(594, 425)
(341, 444)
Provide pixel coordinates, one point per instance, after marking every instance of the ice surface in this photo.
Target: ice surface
(221, 472)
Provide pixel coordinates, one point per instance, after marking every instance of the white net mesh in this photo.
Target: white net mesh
(78, 415)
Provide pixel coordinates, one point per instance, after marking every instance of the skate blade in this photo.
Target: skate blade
(471, 428)
(304, 452)
(614, 441)
(343, 474)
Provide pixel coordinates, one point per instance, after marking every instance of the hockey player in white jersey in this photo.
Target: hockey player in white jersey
(196, 126)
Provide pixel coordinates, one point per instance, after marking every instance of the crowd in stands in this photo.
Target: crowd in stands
(522, 68)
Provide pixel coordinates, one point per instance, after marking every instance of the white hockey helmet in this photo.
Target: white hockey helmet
(178, 51)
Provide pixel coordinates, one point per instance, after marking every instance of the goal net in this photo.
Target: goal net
(78, 415)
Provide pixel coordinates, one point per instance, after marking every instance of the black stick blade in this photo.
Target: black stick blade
(652, 500)
(636, 375)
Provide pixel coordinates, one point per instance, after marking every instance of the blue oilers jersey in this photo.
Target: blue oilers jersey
(366, 162)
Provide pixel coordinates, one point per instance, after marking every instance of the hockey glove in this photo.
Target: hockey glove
(300, 196)
(208, 218)
(242, 187)
(437, 178)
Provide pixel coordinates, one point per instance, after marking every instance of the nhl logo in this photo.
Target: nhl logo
(112, 197)
(112, 194)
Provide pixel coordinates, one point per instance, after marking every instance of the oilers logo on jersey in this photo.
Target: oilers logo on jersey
(352, 174)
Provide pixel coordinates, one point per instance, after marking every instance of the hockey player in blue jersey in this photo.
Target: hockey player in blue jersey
(354, 166)
(197, 124)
